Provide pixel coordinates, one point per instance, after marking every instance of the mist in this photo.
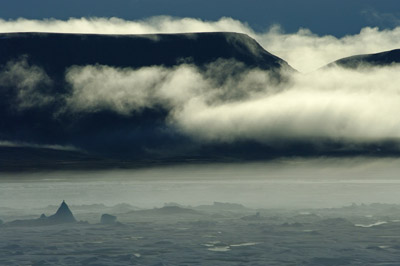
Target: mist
(286, 183)
(356, 106)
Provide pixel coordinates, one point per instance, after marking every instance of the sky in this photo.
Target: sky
(333, 17)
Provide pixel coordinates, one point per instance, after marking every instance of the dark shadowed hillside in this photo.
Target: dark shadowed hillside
(56, 52)
(86, 101)
(33, 85)
(378, 59)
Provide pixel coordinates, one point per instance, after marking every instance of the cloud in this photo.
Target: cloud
(306, 51)
(27, 82)
(303, 50)
(354, 106)
(125, 90)
(33, 145)
(337, 104)
(161, 24)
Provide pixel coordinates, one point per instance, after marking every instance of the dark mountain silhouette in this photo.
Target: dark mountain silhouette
(378, 59)
(105, 137)
(62, 216)
(55, 52)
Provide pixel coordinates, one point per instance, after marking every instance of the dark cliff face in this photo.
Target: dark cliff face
(368, 60)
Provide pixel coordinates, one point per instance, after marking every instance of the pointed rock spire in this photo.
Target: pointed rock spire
(63, 214)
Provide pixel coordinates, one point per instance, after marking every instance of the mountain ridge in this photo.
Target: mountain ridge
(136, 50)
(374, 59)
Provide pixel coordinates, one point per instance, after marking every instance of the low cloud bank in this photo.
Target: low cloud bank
(127, 90)
(15, 144)
(350, 106)
(354, 106)
(303, 50)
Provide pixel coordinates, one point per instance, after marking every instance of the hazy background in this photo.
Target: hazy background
(279, 184)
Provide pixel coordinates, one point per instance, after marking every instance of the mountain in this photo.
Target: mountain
(33, 69)
(56, 52)
(378, 59)
(40, 130)
(62, 216)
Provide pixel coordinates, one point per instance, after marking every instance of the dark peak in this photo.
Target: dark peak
(63, 208)
(369, 60)
(63, 214)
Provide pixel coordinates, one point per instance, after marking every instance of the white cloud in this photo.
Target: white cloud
(33, 145)
(28, 83)
(125, 90)
(306, 51)
(162, 24)
(303, 50)
(338, 104)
